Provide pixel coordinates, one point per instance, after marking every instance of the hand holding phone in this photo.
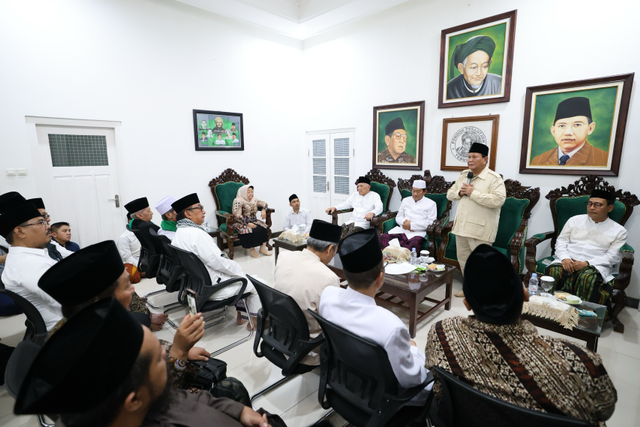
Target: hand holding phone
(192, 299)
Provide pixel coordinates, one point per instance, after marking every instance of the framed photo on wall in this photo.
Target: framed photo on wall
(459, 133)
(576, 128)
(476, 61)
(397, 136)
(218, 131)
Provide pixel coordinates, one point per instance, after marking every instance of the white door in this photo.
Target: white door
(77, 178)
(331, 165)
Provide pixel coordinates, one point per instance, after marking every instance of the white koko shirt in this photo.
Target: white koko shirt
(303, 217)
(129, 248)
(362, 205)
(421, 214)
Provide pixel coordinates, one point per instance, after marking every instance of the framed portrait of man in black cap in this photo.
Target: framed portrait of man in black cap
(576, 128)
(476, 61)
(397, 136)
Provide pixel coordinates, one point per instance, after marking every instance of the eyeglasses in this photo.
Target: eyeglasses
(195, 208)
(40, 222)
(595, 205)
(400, 135)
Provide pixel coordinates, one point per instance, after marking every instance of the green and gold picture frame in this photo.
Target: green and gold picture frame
(218, 131)
(576, 128)
(397, 136)
(476, 60)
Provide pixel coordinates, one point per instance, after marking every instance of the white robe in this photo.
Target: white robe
(421, 214)
(129, 248)
(23, 269)
(359, 314)
(362, 205)
(582, 239)
(199, 242)
(303, 217)
(168, 233)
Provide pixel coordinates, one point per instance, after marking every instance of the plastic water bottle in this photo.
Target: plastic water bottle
(533, 284)
(414, 256)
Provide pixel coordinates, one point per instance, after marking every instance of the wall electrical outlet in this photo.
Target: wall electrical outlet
(10, 172)
(22, 171)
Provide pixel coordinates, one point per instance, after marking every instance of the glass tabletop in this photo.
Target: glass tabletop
(591, 324)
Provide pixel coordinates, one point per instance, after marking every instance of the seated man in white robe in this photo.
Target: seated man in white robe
(416, 213)
(28, 259)
(128, 244)
(298, 217)
(56, 251)
(365, 203)
(303, 275)
(193, 238)
(355, 310)
(168, 225)
(587, 251)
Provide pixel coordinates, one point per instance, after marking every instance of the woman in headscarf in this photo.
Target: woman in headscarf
(252, 231)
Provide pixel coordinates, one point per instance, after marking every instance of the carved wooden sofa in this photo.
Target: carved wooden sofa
(224, 189)
(572, 200)
(382, 185)
(512, 228)
(437, 191)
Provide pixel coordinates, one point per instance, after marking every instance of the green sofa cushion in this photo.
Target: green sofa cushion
(510, 219)
(439, 198)
(566, 207)
(383, 192)
(226, 193)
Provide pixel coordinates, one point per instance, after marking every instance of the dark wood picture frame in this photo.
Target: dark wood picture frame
(506, 49)
(412, 114)
(614, 122)
(472, 132)
(212, 137)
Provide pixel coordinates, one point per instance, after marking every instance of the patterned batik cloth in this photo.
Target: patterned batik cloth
(587, 284)
(349, 229)
(405, 242)
(515, 364)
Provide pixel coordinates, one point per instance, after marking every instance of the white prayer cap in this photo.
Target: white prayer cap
(164, 205)
(419, 183)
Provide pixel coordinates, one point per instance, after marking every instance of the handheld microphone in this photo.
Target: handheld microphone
(469, 176)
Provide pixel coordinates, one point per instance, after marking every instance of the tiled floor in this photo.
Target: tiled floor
(297, 401)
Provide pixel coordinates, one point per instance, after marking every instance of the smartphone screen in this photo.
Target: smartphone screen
(191, 299)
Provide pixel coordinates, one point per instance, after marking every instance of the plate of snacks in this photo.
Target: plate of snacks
(568, 298)
(437, 268)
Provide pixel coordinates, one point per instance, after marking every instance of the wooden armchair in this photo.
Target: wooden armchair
(512, 228)
(437, 191)
(382, 185)
(224, 189)
(572, 200)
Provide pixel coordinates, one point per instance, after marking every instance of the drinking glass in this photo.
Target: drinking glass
(546, 282)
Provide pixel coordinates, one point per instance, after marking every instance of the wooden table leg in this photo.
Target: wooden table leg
(277, 252)
(449, 292)
(592, 343)
(413, 314)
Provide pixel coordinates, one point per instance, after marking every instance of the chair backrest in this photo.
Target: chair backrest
(358, 370)
(34, 323)
(437, 188)
(566, 202)
(150, 248)
(383, 185)
(170, 270)
(287, 325)
(463, 405)
(517, 207)
(18, 366)
(196, 276)
(224, 189)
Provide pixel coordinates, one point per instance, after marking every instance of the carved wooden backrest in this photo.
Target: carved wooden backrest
(376, 176)
(566, 202)
(229, 175)
(435, 185)
(515, 211)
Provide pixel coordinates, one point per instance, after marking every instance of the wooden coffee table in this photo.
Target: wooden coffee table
(410, 289)
(588, 328)
(285, 244)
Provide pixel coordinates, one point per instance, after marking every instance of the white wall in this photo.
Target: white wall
(394, 57)
(148, 63)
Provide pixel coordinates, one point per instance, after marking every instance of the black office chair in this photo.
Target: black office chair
(196, 277)
(463, 405)
(17, 368)
(36, 328)
(150, 249)
(169, 273)
(282, 333)
(357, 381)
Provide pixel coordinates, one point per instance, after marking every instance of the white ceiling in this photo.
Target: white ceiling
(299, 19)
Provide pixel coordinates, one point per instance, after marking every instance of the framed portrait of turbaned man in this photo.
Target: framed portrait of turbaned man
(397, 136)
(576, 128)
(476, 60)
(458, 134)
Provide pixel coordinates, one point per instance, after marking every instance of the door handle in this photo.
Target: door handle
(327, 186)
(117, 200)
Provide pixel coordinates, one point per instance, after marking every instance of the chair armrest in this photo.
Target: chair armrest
(302, 352)
(443, 233)
(268, 218)
(334, 215)
(378, 220)
(391, 404)
(624, 273)
(530, 260)
(210, 290)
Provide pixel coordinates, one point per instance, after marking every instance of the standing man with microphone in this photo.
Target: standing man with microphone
(480, 193)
